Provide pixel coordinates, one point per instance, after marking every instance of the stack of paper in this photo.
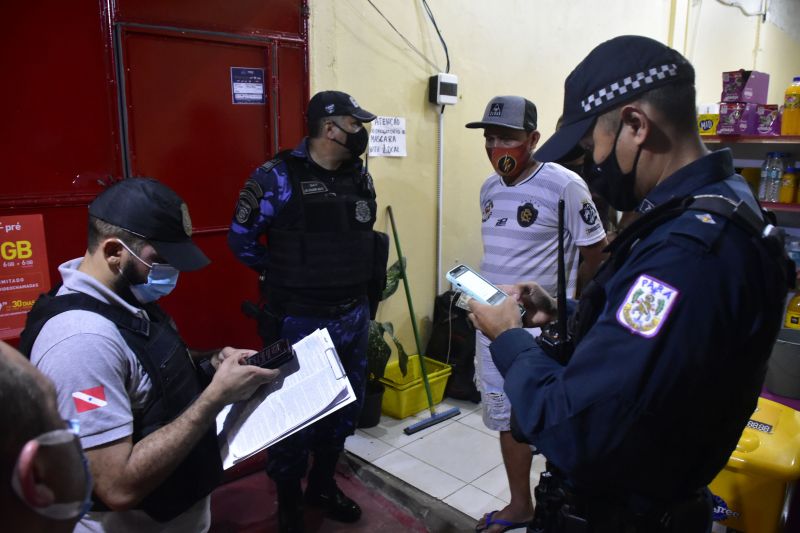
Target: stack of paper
(312, 386)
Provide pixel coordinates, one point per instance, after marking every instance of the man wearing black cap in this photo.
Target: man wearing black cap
(145, 413)
(673, 334)
(519, 205)
(322, 267)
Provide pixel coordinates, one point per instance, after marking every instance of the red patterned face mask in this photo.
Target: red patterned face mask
(510, 162)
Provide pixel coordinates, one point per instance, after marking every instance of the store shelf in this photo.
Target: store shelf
(787, 214)
(749, 148)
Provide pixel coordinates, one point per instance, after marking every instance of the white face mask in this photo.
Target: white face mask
(61, 510)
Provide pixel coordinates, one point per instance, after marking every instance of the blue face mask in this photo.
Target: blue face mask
(161, 280)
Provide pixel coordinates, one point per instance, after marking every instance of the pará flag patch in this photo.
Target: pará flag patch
(88, 399)
(647, 306)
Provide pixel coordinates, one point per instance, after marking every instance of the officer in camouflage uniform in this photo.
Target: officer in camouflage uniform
(321, 267)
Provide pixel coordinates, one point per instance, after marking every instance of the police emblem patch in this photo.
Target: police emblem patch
(487, 210)
(363, 212)
(647, 306)
(496, 110)
(588, 213)
(329, 108)
(705, 218)
(507, 164)
(186, 219)
(526, 214)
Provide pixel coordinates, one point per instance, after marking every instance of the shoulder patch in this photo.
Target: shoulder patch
(248, 205)
(647, 306)
(269, 165)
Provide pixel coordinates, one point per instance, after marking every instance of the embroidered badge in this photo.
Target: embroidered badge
(313, 187)
(526, 214)
(487, 210)
(88, 399)
(647, 306)
(363, 212)
(329, 108)
(705, 218)
(186, 219)
(588, 213)
(353, 101)
(496, 110)
(501, 221)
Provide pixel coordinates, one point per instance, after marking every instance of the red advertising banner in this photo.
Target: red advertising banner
(23, 270)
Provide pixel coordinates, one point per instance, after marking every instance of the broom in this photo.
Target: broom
(435, 417)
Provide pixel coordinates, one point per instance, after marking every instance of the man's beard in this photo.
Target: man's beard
(122, 283)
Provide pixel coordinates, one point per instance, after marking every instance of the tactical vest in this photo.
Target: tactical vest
(175, 385)
(768, 238)
(323, 238)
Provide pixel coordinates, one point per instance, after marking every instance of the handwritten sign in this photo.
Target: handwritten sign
(387, 137)
(23, 270)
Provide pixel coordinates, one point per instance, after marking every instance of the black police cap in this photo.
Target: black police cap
(334, 104)
(615, 72)
(154, 212)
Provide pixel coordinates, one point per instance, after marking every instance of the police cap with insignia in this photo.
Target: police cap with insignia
(153, 212)
(336, 104)
(513, 112)
(615, 72)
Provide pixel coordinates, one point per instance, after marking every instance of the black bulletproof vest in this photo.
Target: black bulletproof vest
(322, 238)
(175, 381)
(593, 298)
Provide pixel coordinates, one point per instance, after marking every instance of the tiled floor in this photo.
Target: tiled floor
(457, 461)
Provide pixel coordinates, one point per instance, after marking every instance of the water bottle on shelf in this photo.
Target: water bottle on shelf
(762, 183)
(774, 176)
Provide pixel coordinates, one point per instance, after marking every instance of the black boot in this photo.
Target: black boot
(323, 492)
(290, 506)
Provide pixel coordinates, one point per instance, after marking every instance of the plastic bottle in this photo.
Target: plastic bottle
(790, 123)
(774, 176)
(793, 313)
(788, 190)
(762, 184)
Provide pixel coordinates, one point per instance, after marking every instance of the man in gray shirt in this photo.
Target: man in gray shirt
(145, 402)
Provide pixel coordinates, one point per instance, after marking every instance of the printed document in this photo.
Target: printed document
(310, 387)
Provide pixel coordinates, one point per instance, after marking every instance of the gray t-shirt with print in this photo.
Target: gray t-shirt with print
(100, 382)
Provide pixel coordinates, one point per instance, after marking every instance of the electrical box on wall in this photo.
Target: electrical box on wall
(443, 89)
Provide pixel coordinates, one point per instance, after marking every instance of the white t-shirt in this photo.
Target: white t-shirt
(520, 227)
(100, 382)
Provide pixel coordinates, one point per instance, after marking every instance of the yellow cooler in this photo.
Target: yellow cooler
(766, 462)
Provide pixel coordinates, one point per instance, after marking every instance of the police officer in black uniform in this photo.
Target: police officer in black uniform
(322, 267)
(672, 337)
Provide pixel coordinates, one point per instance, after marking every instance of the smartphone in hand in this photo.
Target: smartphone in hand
(273, 356)
(474, 285)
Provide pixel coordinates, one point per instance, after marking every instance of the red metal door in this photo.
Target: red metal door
(184, 129)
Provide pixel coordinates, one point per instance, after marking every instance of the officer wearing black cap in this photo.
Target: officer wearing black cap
(322, 267)
(671, 338)
(146, 411)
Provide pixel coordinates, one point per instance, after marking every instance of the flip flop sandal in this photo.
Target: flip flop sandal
(488, 522)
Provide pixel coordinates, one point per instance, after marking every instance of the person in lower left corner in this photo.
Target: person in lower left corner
(46, 484)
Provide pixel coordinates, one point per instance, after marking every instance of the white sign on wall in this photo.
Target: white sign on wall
(387, 137)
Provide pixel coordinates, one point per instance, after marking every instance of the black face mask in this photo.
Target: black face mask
(356, 142)
(608, 180)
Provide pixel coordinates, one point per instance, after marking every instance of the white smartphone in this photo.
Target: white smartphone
(473, 284)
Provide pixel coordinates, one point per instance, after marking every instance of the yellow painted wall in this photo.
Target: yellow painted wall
(524, 47)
